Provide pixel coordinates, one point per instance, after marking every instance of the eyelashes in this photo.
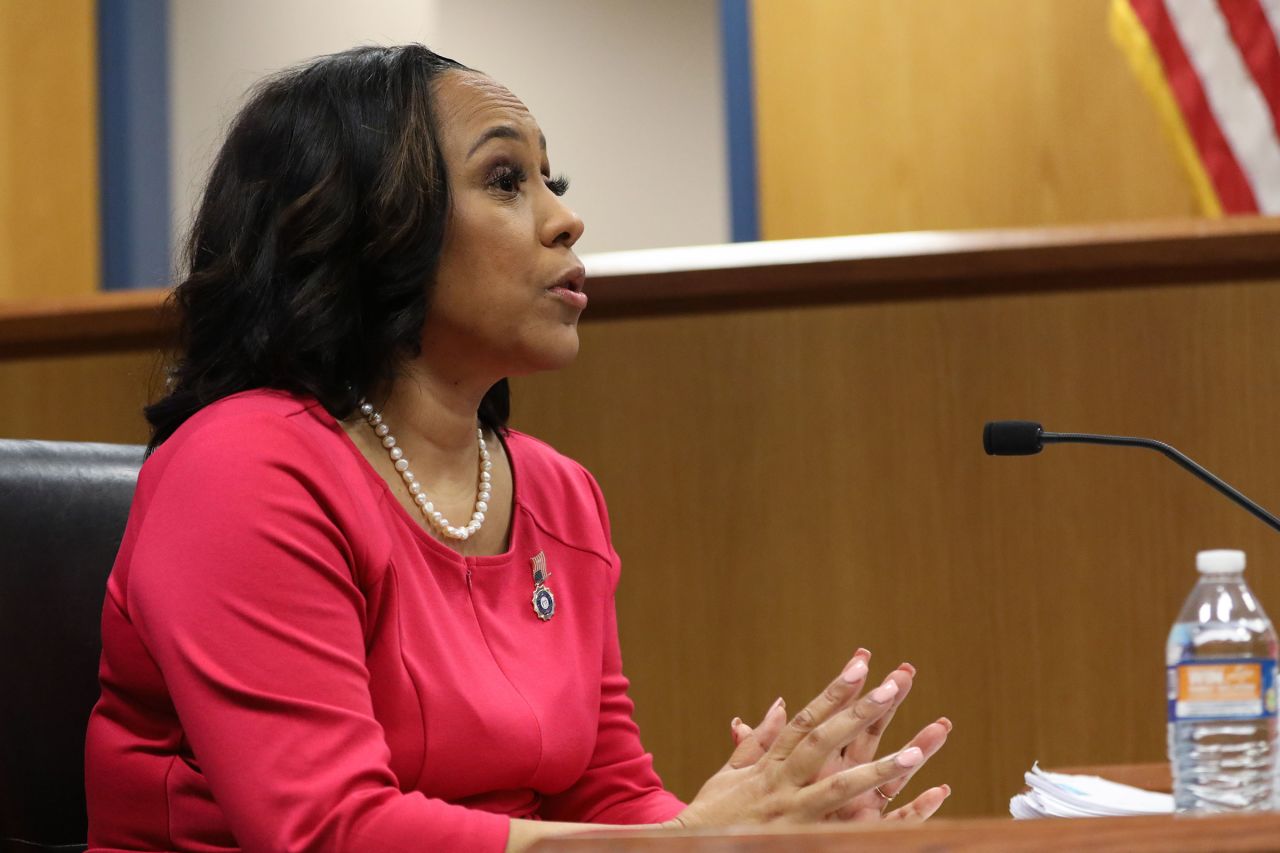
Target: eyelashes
(507, 179)
(559, 184)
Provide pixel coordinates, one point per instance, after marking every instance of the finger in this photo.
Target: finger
(865, 746)
(827, 797)
(846, 685)
(810, 755)
(930, 739)
(771, 726)
(868, 806)
(751, 744)
(922, 807)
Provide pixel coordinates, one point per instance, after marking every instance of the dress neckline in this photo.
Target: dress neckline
(420, 532)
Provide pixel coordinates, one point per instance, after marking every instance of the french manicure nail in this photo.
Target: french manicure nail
(946, 723)
(884, 692)
(855, 671)
(776, 702)
(909, 757)
(734, 723)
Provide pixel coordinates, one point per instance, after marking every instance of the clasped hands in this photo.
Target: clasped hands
(821, 765)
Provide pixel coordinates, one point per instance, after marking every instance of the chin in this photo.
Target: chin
(553, 354)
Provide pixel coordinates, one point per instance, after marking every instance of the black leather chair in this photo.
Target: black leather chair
(63, 508)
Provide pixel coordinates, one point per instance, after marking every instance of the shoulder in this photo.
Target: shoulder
(545, 473)
(261, 447)
(248, 429)
(557, 490)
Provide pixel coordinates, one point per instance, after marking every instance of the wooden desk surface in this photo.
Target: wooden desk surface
(1098, 835)
(1233, 832)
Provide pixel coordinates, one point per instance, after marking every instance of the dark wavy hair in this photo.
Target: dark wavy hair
(314, 249)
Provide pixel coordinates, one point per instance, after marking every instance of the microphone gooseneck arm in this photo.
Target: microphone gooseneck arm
(1172, 452)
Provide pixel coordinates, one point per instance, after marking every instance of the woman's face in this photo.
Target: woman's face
(508, 289)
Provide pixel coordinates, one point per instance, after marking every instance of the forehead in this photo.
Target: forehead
(469, 103)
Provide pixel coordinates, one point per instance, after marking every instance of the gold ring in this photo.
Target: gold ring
(887, 799)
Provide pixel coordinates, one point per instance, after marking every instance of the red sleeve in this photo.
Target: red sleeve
(619, 785)
(242, 588)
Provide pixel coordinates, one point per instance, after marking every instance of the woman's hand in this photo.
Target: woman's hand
(870, 805)
(818, 766)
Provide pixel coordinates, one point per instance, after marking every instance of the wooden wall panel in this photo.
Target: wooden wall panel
(786, 485)
(891, 115)
(48, 149)
(78, 398)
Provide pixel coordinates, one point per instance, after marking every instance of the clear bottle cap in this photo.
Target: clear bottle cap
(1220, 562)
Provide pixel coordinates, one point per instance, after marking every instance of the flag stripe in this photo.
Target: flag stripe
(1256, 42)
(1133, 39)
(1271, 11)
(1234, 98)
(1228, 179)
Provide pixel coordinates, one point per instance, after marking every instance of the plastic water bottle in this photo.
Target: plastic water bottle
(1221, 662)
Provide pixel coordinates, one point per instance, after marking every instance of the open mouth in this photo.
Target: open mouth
(568, 288)
(574, 280)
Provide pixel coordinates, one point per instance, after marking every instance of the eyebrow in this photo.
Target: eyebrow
(503, 131)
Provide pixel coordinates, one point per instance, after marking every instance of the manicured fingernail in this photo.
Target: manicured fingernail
(855, 671)
(776, 703)
(861, 652)
(945, 723)
(907, 668)
(946, 789)
(734, 723)
(909, 757)
(884, 692)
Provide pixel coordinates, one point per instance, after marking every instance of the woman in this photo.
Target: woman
(351, 610)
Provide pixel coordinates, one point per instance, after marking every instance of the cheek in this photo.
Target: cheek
(486, 251)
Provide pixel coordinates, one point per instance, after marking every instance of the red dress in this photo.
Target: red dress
(291, 663)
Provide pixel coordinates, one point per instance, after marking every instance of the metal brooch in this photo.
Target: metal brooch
(544, 603)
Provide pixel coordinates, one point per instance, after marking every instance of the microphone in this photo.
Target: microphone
(1027, 438)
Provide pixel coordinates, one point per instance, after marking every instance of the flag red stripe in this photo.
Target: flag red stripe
(1219, 162)
(1257, 44)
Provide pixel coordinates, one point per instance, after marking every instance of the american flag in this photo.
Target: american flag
(1213, 69)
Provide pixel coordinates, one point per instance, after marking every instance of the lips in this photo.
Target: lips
(568, 288)
(573, 279)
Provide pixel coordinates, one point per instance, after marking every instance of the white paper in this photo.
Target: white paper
(1069, 795)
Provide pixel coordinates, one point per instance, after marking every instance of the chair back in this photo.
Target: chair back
(63, 508)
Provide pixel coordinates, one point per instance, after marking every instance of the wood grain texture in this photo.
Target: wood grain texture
(48, 149)
(1113, 835)
(789, 484)
(79, 398)
(880, 267)
(891, 115)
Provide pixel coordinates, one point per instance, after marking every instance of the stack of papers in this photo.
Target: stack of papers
(1067, 795)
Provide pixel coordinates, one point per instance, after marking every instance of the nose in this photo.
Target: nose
(562, 225)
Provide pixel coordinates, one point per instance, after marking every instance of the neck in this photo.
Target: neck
(438, 412)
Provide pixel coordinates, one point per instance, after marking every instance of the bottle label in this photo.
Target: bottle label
(1242, 689)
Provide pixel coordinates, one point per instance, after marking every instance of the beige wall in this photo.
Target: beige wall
(892, 115)
(628, 94)
(48, 149)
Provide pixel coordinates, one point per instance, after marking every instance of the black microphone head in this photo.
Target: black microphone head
(1011, 438)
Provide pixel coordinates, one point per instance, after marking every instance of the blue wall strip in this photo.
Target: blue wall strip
(133, 125)
(740, 122)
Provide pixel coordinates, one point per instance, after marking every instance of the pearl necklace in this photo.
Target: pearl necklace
(433, 516)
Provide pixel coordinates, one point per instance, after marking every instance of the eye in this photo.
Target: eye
(506, 179)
